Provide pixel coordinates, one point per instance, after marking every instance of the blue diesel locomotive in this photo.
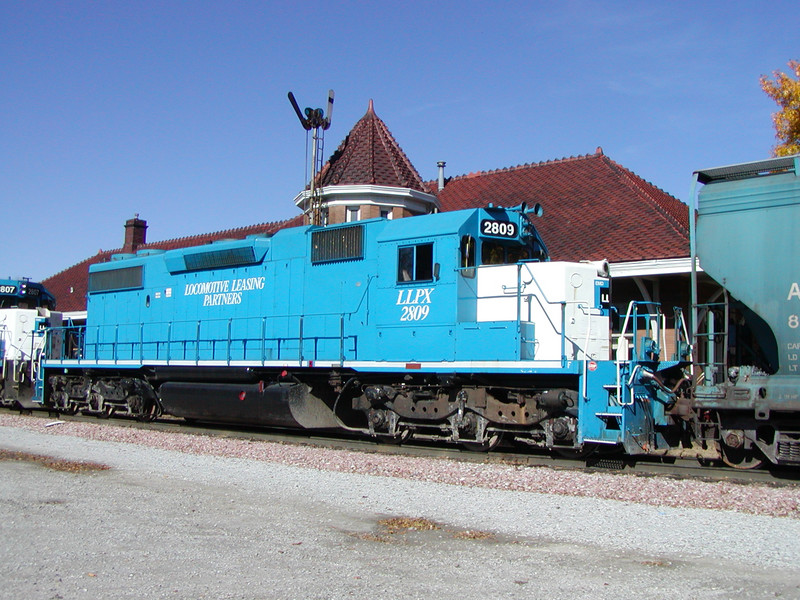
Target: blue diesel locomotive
(25, 312)
(453, 326)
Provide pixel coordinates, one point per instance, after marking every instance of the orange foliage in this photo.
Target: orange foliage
(785, 91)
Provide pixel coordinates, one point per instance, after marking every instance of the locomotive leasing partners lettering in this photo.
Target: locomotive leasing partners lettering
(223, 291)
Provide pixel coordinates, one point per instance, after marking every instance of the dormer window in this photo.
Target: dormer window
(353, 214)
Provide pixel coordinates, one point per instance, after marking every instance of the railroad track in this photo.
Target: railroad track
(606, 463)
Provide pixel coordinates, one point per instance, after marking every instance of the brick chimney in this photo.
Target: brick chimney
(135, 234)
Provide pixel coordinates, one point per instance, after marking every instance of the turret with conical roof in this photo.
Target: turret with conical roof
(369, 176)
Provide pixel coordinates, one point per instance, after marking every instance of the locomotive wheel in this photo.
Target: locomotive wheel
(492, 441)
(108, 411)
(397, 440)
(151, 413)
(71, 409)
(741, 458)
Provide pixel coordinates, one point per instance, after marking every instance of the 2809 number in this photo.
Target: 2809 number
(415, 312)
(498, 228)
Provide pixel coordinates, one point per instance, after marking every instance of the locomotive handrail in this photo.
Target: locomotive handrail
(3, 331)
(92, 344)
(363, 297)
(632, 350)
(543, 301)
(11, 344)
(587, 311)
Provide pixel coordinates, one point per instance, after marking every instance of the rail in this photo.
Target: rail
(252, 339)
(543, 301)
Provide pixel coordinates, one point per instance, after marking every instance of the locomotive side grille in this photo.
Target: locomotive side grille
(216, 259)
(340, 243)
(128, 278)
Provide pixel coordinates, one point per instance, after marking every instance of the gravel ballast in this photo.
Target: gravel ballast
(184, 516)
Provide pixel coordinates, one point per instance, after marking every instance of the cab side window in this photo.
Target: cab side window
(415, 263)
(467, 256)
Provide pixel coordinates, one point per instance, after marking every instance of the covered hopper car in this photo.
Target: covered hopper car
(748, 392)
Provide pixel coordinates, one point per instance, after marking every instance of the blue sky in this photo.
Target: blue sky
(177, 111)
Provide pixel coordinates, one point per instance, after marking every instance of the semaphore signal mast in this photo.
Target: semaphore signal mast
(315, 119)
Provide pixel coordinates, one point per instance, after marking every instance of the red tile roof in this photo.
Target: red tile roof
(70, 286)
(594, 208)
(369, 155)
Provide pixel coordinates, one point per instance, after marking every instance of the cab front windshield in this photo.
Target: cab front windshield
(496, 253)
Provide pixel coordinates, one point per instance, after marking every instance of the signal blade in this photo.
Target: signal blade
(303, 121)
(330, 110)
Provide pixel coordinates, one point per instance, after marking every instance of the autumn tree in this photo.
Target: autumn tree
(786, 92)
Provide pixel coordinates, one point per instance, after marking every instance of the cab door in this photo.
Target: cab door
(416, 300)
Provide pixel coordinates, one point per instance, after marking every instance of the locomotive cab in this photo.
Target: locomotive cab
(432, 288)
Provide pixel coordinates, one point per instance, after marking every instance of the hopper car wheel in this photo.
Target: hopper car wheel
(741, 458)
(492, 441)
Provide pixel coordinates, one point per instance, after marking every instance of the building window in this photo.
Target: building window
(353, 214)
(386, 213)
(415, 263)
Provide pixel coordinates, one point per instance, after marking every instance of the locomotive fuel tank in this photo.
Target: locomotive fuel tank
(283, 404)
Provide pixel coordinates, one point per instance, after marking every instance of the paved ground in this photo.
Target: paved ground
(161, 524)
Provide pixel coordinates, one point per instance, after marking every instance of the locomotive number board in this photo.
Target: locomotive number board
(502, 229)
